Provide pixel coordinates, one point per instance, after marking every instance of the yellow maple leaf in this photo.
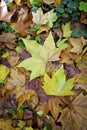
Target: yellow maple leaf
(66, 30)
(4, 71)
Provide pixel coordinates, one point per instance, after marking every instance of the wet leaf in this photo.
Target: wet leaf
(57, 85)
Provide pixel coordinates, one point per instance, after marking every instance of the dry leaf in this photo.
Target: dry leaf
(83, 18)
(17, 2)
(53, 106)
(16, 79)
(43, 28)
(4, 14)
(77, 45)
(75, 118)
(9, 39)
(57, 3)
(48, 1)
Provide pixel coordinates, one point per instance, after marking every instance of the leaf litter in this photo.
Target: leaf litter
(43, 63)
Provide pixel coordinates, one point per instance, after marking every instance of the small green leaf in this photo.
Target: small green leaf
(11, 111)
(61, 44)
(37, 38)
(83, 6)
(37, 26)
(5, 55)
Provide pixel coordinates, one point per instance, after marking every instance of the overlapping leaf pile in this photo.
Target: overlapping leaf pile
(43, 65)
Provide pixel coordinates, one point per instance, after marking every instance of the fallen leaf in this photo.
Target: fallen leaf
(43, 28)
(66, 30)
(57, 3)
(75, 118)
(39, 17)
(77, 45)
(83, 18)
(81, 78)
(48, 1)
(61, 44)
(9, 39)
(5, 15)
(41, 55)
(53, 106)
(7, 125)
(16, 79)
(57, 85)
(51, 17)
(22, 27)
(4, 71)
(17, 2)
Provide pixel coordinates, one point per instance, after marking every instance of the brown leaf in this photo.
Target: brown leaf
(4, 14)
(16, 79)
(77, 45)
(81, 79)
(53, 106)
(44, 28)
(83, 18)
(9, 39)
(75, 117)
(13, 58)
(21, 26)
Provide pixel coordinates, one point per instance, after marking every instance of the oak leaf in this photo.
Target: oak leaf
(57, 85)
(41, 55)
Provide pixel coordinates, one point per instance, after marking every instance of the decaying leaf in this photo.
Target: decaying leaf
(66, 30)
(57, 85)
(77, 45)
(53, 106)
(7, 124)
(81, 78)
(9, 39)
(4, 14)
(41, 55)
(75, 118)
(16, 79)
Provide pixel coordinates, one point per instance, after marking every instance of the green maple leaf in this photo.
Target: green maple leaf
(61, 44)
(57, 85)
(66, 30)
(41, 55)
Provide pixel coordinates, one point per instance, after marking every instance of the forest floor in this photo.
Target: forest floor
(43, 65)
